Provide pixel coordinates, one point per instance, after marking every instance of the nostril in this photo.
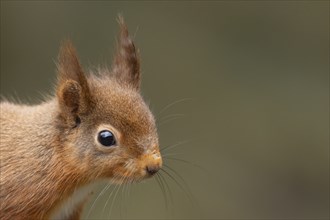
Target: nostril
(151, 170)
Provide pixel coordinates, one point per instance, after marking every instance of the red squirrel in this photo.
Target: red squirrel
(96, 127)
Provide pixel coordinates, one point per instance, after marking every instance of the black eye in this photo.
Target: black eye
(106, 138)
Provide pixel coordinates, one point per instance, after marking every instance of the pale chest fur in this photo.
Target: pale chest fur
(70, 205)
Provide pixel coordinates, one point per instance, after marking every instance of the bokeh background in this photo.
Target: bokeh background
(241, 88)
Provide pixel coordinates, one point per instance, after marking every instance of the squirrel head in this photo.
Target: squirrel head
(105, 128)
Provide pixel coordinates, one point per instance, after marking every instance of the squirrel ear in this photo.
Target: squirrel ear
(126, 63)
(72, 90)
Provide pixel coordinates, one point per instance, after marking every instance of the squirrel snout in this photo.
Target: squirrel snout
(152, 163)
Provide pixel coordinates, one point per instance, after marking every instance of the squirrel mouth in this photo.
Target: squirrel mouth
(127, 179)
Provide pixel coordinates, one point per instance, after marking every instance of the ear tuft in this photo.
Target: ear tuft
(72, 90)
(126, 64)
(68, 64)
(70, 94)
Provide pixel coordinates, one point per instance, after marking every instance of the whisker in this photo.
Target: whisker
(173, 103)
(101, 193)
(121, 201)
(170, 116)
(185, 161)
(161, 186)
(125, 197)
(168, 120)
(174, 145)
(105, 205)
(180, 186)
(127, 190)
(174, 154)
(168, 190)
(183, 181)
(113, 190)
(114, 198)
(175, 172)
(166, 187)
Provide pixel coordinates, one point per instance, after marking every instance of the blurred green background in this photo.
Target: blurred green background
(246, 85)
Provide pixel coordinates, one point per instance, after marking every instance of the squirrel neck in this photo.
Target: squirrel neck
(36, 141)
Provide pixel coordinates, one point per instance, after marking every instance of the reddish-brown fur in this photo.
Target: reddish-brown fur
(50, 150)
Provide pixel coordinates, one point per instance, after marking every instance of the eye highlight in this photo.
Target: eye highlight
(106, 138)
